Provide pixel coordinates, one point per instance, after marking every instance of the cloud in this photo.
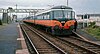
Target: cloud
(32, 2)
(80, 6)
(85, 6)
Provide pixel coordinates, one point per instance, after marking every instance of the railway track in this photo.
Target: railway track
(40, 44)
(67, 47)
(87, 46)
(71, 45)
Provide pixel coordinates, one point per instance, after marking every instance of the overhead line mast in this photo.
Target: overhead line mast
(67, 2)
(16, 12)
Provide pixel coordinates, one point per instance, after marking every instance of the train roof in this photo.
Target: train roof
(56, 8)
(61, 7)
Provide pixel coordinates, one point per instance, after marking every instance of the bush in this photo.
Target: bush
(92, 24)
(0, 22)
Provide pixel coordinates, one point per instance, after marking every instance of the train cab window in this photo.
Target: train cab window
(59, 14)
(73, 14)
(68, 15)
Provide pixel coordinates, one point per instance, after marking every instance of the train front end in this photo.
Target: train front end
(64, 21)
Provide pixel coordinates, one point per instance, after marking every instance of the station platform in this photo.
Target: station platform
(10, 41)
(86, 35)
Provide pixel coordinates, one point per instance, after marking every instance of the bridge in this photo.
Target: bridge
(6, 18)
(20, 10)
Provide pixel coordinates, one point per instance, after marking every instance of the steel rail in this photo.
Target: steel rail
(86, 49)
(83, 47)
(47, 40)
(30, 40)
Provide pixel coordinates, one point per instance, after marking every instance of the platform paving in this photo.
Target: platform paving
(86, 35)
(8, 39)
(2, 26)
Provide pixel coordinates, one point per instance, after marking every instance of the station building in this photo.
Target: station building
(86, 18)
(94, 17)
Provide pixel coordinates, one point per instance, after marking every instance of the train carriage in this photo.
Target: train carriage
(59, 20)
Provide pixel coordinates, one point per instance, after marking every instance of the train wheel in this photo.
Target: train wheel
(52, 31)
(47, 29)
(75, 26)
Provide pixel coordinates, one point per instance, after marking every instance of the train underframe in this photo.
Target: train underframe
(62, 31)
(53, 30)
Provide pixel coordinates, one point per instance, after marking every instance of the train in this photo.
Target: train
(59, 20)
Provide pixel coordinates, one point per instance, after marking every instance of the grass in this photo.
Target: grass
(93, 30)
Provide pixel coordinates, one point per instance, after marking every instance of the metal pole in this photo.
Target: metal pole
(83, 21)
(29, 14)
(16, 12)
(10, 19)
(67, 2)
(87, 20)
(7, 16)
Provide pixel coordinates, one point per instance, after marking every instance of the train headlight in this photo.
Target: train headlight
(62, 21)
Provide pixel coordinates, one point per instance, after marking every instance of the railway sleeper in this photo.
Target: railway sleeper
(45, 49)
(89, 46)
(97, 50)
(48, 51)
(92, 47)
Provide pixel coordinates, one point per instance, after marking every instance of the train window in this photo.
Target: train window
(68, 14)
(42, 16)
(59, 14)
(73, 14)
(46, 15)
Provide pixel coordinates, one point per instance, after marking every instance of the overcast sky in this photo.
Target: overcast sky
(80, 6)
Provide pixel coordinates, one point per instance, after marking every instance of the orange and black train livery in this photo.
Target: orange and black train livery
(59, 20)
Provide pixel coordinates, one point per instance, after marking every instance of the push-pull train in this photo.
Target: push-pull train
(59, 20)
